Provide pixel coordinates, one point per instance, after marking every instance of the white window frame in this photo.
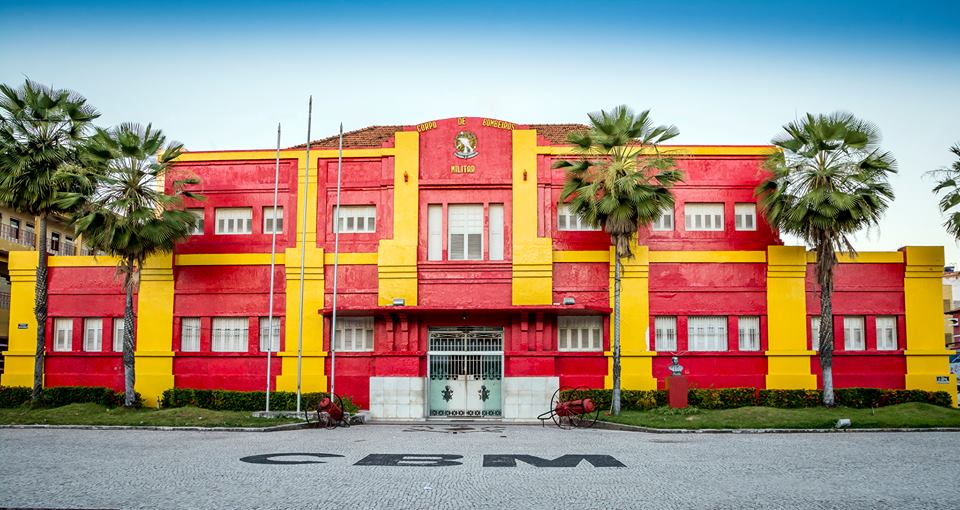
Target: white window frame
(887, 333)
(815, 333)
(355, 219)
(265, 333)
(665, 222)
(703, 216)
(190, 334)
(230, 334)
(234, 220)
(707, 333)
(350, 329)
(579, 333)
(854, 333)
(198, 229)
(665, 333)
(269, 221)
(92, 335)
(465, 220)
(63, 335)
(568, 221)
(748, 333)
(434, 232)
(745, 216)
(118, 328)
(495, 215)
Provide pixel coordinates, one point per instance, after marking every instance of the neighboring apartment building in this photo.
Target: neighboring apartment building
(466, 289)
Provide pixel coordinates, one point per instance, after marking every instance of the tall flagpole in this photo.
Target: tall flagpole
(273, 262)
(336, 264)
(303, 252)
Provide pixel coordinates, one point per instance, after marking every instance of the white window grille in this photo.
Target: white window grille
(234, 220)
(568, 220)
(118, 329)
(198, 229)
(887, 333)
(749, 333)
(703, 216)
(354, 334)
(190, 334)
(265, 331)
(745, 216)
(355, 219)
(707, 334)
(272, 221)
(92, 335)
(434, 232)
(579, 333)
(815, 333)
(496, 231)
(853, 334)
(465, 225)
(63, 335)
(230, 334)
(665, 221)
(665, 338)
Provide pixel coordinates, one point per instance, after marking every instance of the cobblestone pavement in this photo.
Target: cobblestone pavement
(159, 469)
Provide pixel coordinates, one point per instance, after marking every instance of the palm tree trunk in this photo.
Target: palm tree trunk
(616, 337)
(129, 377)
(40, 310)
(826, 260)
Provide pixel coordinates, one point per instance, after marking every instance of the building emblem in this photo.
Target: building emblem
(466, 144)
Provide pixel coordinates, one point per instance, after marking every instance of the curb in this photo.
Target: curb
(636, 428)
(277, 428)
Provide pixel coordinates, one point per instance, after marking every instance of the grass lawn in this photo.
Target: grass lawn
(913, 415)
(94, 414)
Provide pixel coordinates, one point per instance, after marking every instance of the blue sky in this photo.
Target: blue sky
(220, 75)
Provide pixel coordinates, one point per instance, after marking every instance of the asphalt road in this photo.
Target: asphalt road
(383, 466)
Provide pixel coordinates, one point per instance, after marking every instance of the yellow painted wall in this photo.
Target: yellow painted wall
(313, 373)
(397, 257)
(154, 346)
(788, 359)
(19, 358)
(636, 358)
(532, 255)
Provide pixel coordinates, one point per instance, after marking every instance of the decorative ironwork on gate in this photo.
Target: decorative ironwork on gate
(465, 369)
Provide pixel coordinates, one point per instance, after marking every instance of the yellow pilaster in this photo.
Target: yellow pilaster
(927, 358)
(397, 257)
(636, 359)
(313, 373)
(19, 357)
(532, 255)
(154, 352)
(788, 359)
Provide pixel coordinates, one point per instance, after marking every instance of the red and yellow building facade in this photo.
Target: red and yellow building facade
(462, 291)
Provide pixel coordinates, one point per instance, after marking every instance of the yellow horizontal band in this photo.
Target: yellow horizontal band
(582, 256)
(864, 257)
(682, 150)
(197, 157)
(352, 259)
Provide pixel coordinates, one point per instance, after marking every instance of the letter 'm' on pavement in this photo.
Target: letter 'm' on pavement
(562, 461)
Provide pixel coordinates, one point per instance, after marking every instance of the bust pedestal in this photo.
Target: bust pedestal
(677, 391)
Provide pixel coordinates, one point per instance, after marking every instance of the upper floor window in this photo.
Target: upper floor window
(190, 334)
(707, 333)
(234, 220)
(853, 334)
(198, 228)
(568, 220)
(749, 333)
(703, 216)
(63, 334)
(354, 219)
(465, 236)
(15, 227)
(746, 216)
(272, 221)
(887, 333)
(55, 241)
(579, 334)
(665, 221)
(666, 334)
(230, 334)
(354, 334)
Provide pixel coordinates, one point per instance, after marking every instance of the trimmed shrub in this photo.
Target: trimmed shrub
(722, 398)
(225, 400)
(64, 395)
(789, 398)
(14, 396)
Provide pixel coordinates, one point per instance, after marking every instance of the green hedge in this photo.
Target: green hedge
(64, 395)
(224, 400)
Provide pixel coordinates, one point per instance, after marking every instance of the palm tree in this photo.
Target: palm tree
(40, 131)
(829, 181)
(130, 216)
(948, 182)
(620, 181)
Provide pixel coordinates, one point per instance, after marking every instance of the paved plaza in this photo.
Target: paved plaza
(490, 466)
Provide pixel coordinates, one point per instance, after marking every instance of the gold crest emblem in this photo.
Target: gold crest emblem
(466, 145)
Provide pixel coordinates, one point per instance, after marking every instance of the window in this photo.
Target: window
(15, 228)
(355, 219)
(746, 216)
(118, 330)
(92, 335)
(887, 333)
(55, 241)
(665, 338)
(567, 220)
(579, 334)
(707, 333)
(63, 335)
(198, 229)
(272, 222)
(265, 332)
(665, 221)
(354, 334)
(230, 334)
(853, 334)
(434, 232)
(496, 231)
(235, 220)
(190, 334)
(749, 333)
(815, 333)
(465, 223)
(703, 216)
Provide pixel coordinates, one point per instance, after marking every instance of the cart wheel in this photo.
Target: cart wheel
(584, 420)
(564, 422)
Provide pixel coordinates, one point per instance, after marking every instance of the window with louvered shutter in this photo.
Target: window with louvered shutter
(568, 220)
(746, 216)
(698, 216)
(355, 219)
(579, 333)
(234, 220)
(272, 222)
(465, 225)
(354, 334)
(198, 229)
(665, 221)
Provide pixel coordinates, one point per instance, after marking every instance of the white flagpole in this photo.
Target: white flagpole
(273, 262)
(303, 251)
(336, 264)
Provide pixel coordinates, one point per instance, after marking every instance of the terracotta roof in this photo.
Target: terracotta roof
(372, 136)
(557, 133)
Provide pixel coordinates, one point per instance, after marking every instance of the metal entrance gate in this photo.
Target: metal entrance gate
(465, 372)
